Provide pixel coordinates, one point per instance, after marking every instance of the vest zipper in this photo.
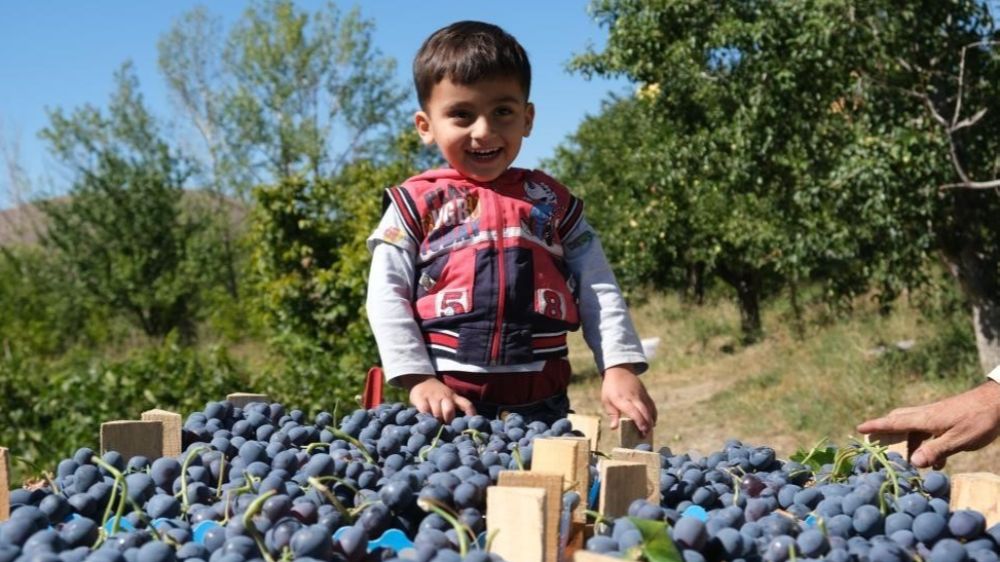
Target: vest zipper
(501, 283)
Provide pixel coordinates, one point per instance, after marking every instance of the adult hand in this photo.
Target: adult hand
(431, 396)
(622, 393)
(964, 422)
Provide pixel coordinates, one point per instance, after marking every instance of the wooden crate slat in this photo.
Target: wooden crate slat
(171, 430)
(569, 457)
(552, 483)
(979, 491)
(515, 518)
(4, 484)
(622, 482)
(589, 425)
(896, 442)
(131, 438)
(587, 556)
(629, 435)
(241, 399)
(652, 462)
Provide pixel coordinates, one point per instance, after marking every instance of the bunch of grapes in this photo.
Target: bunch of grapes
(263, 483)
(743, 504)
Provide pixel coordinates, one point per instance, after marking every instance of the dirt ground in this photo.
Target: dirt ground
(688, 422)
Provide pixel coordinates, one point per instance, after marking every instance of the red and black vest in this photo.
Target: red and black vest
(492, 286)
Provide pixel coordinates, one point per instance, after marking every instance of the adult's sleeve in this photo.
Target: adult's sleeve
(607, 325)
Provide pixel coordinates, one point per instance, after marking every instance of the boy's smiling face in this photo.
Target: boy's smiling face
(478, 127)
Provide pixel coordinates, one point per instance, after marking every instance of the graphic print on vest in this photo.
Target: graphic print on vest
(449, 207)
(543, 200)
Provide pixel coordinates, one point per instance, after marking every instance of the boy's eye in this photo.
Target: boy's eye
(504, 111)
(461, 115)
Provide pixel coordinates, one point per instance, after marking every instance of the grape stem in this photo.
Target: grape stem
(119, 481)
(248, 524)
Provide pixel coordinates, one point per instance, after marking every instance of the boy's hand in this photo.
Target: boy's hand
(431, 396)
(622, 393)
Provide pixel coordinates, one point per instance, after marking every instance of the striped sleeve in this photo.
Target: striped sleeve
(408, 212)
(571, 218)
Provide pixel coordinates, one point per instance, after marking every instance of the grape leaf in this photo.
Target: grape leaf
(656, 543)
(816, 457)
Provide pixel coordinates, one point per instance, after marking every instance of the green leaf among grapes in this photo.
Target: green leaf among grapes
(656, 543)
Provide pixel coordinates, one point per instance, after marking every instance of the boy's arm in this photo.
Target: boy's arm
(607, 325)
(401, 347)
(390, 314)
(608, 330)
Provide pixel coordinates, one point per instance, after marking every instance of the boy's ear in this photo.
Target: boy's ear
(529, 118)
(422, 121)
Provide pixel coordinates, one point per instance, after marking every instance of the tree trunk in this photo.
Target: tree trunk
(747, 282)
(974, 266)
(695, 290)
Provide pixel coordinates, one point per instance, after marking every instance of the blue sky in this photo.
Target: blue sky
(63, 54)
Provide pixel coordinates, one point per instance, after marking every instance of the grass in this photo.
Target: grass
(803, 382)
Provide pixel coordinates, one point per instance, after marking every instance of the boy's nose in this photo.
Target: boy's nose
(481, 128)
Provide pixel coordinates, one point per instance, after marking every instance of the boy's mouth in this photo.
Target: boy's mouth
(483, 154)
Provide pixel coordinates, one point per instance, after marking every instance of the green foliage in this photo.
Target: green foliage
(42, 310)
(773, 143)
(122, 233)
(311, 263)
(70, 397)
(283, 93)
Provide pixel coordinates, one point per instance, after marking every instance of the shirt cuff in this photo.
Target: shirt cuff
(400, 370)
(635, 360)
(994, 374)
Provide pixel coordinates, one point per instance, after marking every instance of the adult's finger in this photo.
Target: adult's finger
(934, 452)
(465, 405)
(900, 420)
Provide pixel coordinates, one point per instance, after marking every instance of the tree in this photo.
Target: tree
(286, 93)
(122, 232)
(822, 155)
(312, 264)
(742, 94)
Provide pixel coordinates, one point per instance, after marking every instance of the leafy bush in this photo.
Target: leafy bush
(51, 407)
(311, 264)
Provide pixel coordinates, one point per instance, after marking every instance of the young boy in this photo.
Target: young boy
(479, 270)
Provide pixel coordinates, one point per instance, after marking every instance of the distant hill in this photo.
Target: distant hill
(21, 225)
(24, 224)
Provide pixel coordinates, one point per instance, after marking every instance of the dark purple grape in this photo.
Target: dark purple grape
(780, 549)
(397, 495)
(966, 524)
(312, 542)
(157, 551)
(928, 527)
(936, 484)
(45, 540)
(353, 542)
(690, 532)
(751, 485)
(948, 550)
(898, 521)
(868, 521)
(812, 543)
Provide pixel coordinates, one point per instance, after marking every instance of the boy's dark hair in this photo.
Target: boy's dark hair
(466, 52)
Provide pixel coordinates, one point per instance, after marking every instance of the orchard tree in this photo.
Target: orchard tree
(123, 232)
(743, 95)
(311, 262)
